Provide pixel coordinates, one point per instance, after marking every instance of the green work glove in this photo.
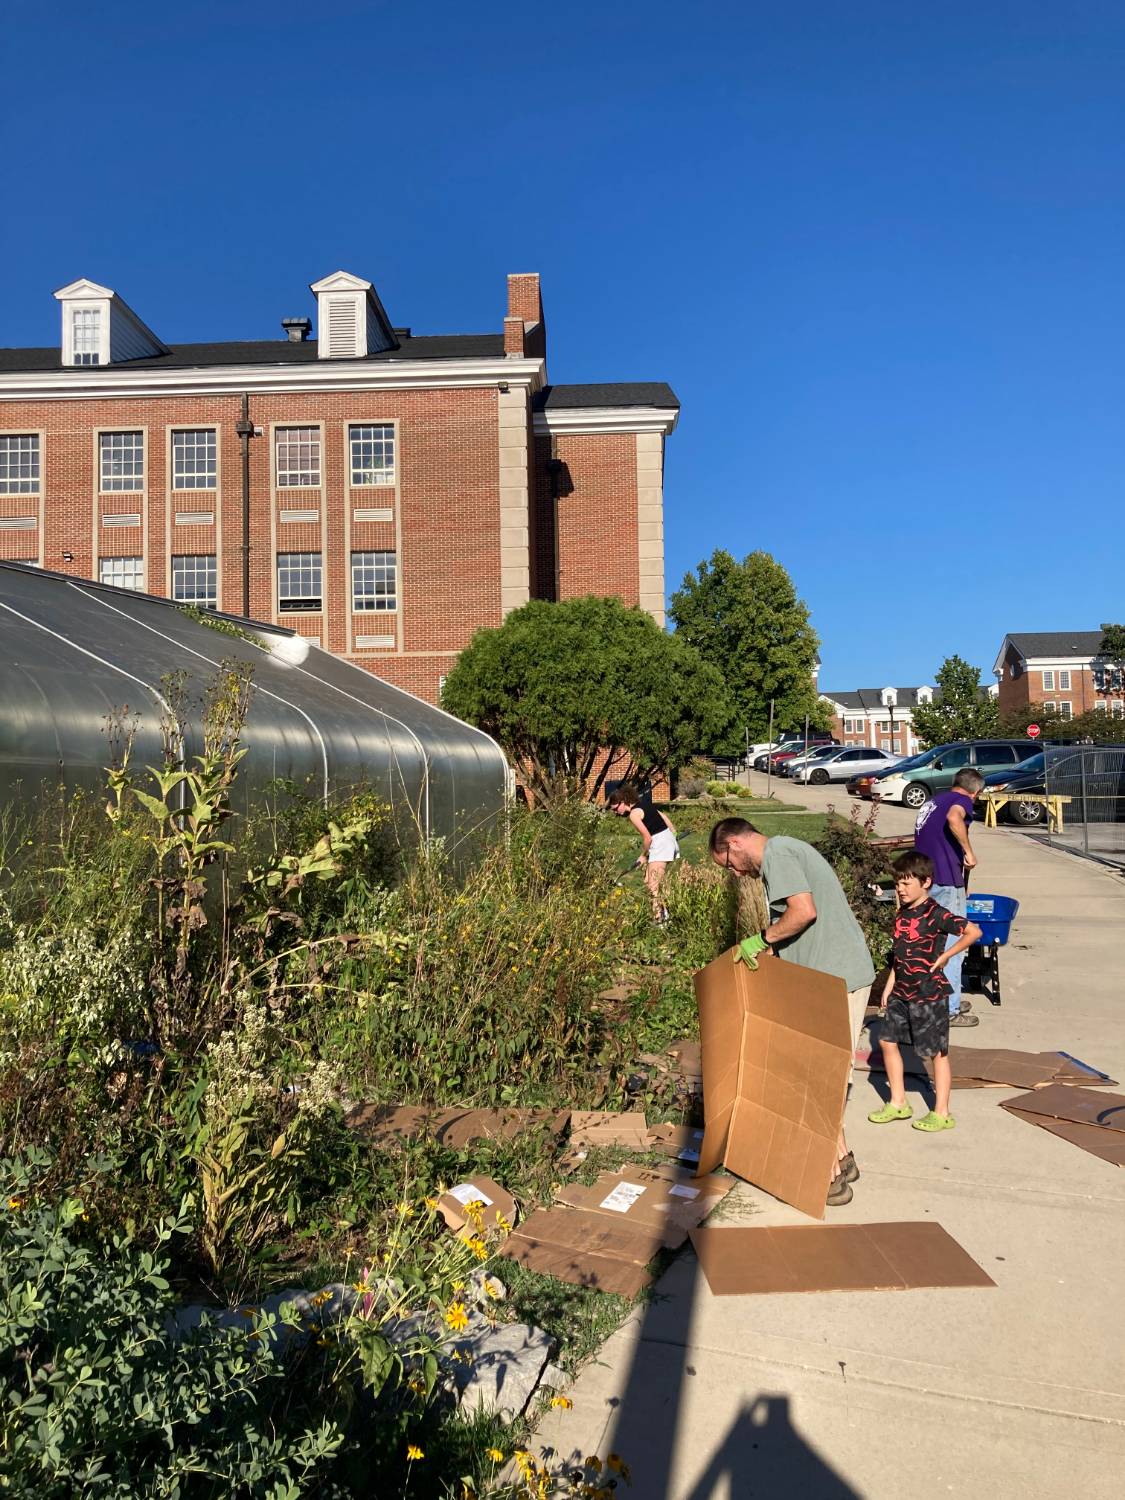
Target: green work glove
(749, 948)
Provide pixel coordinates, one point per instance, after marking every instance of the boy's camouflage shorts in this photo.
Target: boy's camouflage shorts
(921, 1024)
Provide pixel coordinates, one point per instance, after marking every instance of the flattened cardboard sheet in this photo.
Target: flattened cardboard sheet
(681, 1142)
(834, 1258)
(451, 1127)
(496, 1203)
(994, 1067)
(1094, 1121)
(585, 1249)
(777, 1052)
(661, 1199)
(604, 1128)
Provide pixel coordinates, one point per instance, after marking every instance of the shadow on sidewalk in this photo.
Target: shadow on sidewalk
(761, 1454)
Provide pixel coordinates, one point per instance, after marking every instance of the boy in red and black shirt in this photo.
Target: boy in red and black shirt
(915, 1002)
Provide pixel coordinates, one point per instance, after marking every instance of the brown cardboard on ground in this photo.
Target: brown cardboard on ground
(497, 1204)
(604, 1128)
(683, 1142)
(1094, 1121)
(777, 1051)
(452, 1127)
(994, 1067)
(834, 1258)
(585, 1249)
(667, 1202)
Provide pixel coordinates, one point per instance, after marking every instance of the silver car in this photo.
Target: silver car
(844, 762)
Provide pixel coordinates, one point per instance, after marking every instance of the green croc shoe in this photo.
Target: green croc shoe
(891, 1112)
(933, 1122)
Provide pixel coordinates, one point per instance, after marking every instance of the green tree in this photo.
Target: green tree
(961, 711)
(746, 620)
(1113, 645)
(570, 689)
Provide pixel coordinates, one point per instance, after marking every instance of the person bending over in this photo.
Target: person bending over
(658, 837)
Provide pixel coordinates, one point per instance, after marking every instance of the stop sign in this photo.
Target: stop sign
(1033, 731)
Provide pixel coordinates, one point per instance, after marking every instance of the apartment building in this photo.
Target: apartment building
(384, 492)
(881, 717)
(1058, 671)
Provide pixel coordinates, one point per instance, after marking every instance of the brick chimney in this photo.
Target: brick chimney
(525, 330)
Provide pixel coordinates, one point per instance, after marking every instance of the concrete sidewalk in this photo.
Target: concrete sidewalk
(1012, 1392)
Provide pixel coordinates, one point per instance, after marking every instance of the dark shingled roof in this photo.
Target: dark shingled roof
(873, 698)
(265, 352)
(623, 393)
(1059, 643)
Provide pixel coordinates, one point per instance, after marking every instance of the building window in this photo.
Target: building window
(87, 330)
(1048, 682)
(1117, 709)
(298, 581)
(195, 580)
(1048, 708)
(1065, 709)
(19, 464)
(194, 459)
(122, 572)
(373, 454)
(1064, 682)
(123, 460)
(1100, 706)
(298, 458)
(374, 580)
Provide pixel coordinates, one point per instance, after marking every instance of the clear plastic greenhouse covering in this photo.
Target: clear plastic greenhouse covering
(75, 653)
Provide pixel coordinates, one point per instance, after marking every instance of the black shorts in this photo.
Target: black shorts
(921, 1024)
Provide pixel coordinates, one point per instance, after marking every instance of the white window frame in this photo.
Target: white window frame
(1066, 709)
(296, 563)
(87, 334)
(1049, 681)
(21, 484)
(1064, 680)
(1101, 706)
(383, 566)
(293, 477)
(380, 436)
(192, 574)
(198, 476)
(122, 572)
(1117, 709)
(120, 484)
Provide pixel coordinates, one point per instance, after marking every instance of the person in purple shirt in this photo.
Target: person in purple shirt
(942, 832)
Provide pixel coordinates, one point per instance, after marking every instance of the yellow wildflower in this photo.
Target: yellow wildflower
(431, 1203)
(413, 1452)
(495, 1454)
(405, 1209)
(615, 1462)
(503, 1224)
(478, 1247)
(523, 1462)
(562, 1401)
(361, 1287)
(456, 1316)
(417, 1385)
(458, 1287)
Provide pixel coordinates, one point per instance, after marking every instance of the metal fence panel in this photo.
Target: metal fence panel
(1089, 783)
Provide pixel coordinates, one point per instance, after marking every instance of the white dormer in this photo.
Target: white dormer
(925, 695)
(889, 695)
(99, 328)
(350, 318)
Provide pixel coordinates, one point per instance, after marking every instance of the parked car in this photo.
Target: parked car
(793, 740)
(805, 758)
(866, 782)
(1027, 777)
(1101, 774)
(842, 763)
(934, 770)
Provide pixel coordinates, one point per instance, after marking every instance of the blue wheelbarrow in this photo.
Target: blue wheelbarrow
(994, 916)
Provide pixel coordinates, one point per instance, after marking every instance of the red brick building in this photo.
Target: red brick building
(397, 491)
(882, 717)
(1058, 670)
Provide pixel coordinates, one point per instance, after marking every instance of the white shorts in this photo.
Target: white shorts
(663, 849)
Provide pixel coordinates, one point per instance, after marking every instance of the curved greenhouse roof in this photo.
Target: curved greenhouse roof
(73, 653)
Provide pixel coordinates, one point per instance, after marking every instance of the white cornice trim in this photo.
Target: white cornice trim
(101, 383)
(592, 419)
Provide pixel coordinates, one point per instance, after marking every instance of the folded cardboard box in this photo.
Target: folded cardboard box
(667, 1202)
(497, 1208)
(585, 1249)
(834, 1258)
(777, 1052)
(1094, 1121)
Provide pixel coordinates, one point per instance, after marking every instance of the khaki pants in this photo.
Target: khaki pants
(857, 1008)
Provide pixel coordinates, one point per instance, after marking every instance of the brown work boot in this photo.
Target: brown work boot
(839, 1193)
(848, 1169)
(959, 1018)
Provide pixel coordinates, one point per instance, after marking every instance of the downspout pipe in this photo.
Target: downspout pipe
(245, 429)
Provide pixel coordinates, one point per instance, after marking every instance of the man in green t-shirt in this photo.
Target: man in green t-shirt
(810, 923)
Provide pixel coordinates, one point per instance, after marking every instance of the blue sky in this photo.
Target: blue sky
(878, 249)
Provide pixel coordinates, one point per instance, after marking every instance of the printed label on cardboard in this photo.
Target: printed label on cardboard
(624, 1195)
(677, 1190)
(468, 1192)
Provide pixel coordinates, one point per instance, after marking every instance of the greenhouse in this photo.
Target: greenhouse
(77, 656)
